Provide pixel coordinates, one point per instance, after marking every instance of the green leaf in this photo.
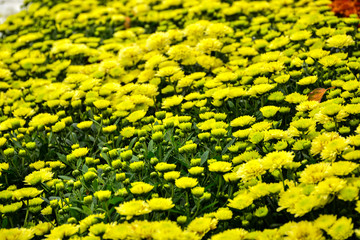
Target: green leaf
(184, 161)
(227, 146)
(86, 210)
(132, 142)
(231, 104)
(78, 209)
(66, 177)
(208, 206)
(105, 156)
(167, 155)
(151, 146)
(204, 157)
(116, 200)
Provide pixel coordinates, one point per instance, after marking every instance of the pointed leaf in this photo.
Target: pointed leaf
(317, 94)
(204, 157)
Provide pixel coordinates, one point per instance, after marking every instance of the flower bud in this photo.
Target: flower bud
(181, 220)
(198, 191)
(89, 176)
(157, 136)
(59, 186)
(76, 173)
(72, 220)
(22, 152)
(31, 145)
(154, 161)
(102, 195)
(206, 196)
(120, 176)
(9, 152)
(126, 155)
(54, 203)
(77, 184)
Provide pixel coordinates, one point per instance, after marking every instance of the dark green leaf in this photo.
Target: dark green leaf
(86, 210)
(151, 146)
(227, 146)
(116, 200)
(66, 177)
(204, 157)
(132, 142)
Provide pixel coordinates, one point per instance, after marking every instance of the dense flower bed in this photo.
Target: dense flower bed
(179, 119)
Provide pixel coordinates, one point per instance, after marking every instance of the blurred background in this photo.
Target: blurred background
(8, 7)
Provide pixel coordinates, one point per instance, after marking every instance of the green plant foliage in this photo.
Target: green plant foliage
(179, 119)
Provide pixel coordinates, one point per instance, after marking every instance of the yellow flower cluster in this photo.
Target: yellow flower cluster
(179, 120)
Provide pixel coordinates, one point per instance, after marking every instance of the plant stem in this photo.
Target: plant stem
(107, 211)
(27, 212)
(219, 185)
(187, 204)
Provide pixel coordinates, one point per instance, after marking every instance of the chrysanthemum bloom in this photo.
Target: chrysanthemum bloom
(282, 79)
(163, 167)
(277, 160)
(349, 193)
(137, 166)
(223, 214)
(220, 167)
(189, 147)
(269, 111)
(118, 231)
(10, 208)
(334, 148)
(2, 141)
(330, 185)
(98, 229)
(315, 173)
(102, 195)
(341, 229)
(242, 121)
(140, 188)
(325, 221)
(128, 132)
(236, 233)
(171, 176)
(340, 41)
(43, 119)
(202, 225)
(42, 228)
(58, 127)
(15, 233)
(319, 143)
(186, 182)
(172, 101)
(40, 176)
(251, 169)
(303, 230)
(109, 129)
(65, 230)
(133, 208)
(307, 80)
(196, 170)
(29, 192)
(300, 35)
(160, 204)
(198, 191)
(343, 168)
(3, 166)
(241, 201)
(80, 152)
(135, 116)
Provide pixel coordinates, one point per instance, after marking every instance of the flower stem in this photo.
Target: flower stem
(27, 212)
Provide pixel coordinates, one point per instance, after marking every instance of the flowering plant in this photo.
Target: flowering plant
(179, 120)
